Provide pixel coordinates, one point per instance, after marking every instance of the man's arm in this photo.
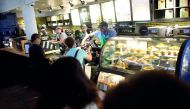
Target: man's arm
(113, 32)
(84, 39)
(87, 36)
(89, 55)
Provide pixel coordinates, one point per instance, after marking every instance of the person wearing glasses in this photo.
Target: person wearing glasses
(36, 52)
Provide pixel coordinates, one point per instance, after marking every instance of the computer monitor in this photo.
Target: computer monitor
(26, 48)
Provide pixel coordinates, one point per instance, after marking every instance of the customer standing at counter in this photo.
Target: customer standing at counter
(79, 54)
(80, 34)
(36, 52)
(104, 33)
(59, 35)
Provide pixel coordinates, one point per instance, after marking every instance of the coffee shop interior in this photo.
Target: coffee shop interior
(150, 35)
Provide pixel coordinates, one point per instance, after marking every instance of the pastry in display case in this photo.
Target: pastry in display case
(126, 56)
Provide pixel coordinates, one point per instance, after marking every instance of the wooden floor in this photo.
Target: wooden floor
(18, 97)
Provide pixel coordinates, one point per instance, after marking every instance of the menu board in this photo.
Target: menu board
(84, 14)
(75, 17)
(66, 16)
(53, 18)
(141, 10)
(60, 17)
(123, 10)
(95, 13)
(48, 18)
(108, 11)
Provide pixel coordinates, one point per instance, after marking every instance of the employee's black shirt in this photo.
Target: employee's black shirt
(37, 56)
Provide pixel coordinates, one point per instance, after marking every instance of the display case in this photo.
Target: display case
(122, 57)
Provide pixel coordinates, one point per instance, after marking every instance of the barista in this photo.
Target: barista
(59, 35)
(103, 34)
(59, 38)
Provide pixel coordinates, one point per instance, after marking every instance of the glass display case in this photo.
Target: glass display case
(125, 56)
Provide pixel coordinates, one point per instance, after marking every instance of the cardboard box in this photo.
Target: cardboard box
(183, 3)
(161, 4)
(169, 14)
(184, 12)
(169, 3)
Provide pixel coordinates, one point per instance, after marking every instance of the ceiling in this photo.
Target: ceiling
(44, 5)
(55, 4)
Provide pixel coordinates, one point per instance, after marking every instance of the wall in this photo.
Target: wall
(8, 23)
(40, 21)
(45, 14)
(7, 5)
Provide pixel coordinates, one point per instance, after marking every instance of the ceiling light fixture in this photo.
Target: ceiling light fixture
(39, 11)
(83, 2)
(61, 6)
(71, 4)
(50, 8)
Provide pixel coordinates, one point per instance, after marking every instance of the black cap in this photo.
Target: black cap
(103, 24)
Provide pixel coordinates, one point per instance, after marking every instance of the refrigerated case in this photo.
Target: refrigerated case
(122, 57)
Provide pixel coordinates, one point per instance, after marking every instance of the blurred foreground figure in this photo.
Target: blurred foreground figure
(149, 90)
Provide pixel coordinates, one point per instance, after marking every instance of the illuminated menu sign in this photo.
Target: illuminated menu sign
(95, 13)
(141, 10)
(75, 17)
(123, 10)
(66, 16)
(108, 11)
(84, 14)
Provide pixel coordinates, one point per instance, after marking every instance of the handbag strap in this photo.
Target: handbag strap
(76, 53)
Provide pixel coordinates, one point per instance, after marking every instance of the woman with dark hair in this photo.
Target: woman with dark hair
(149, 90)
(70, 88)
(79, 54)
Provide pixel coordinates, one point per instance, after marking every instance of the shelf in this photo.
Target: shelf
(181, 19)
(52, 51)
(164, 9)
(115, 72)
(159, 14)
(164, 19)
(183, 7)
